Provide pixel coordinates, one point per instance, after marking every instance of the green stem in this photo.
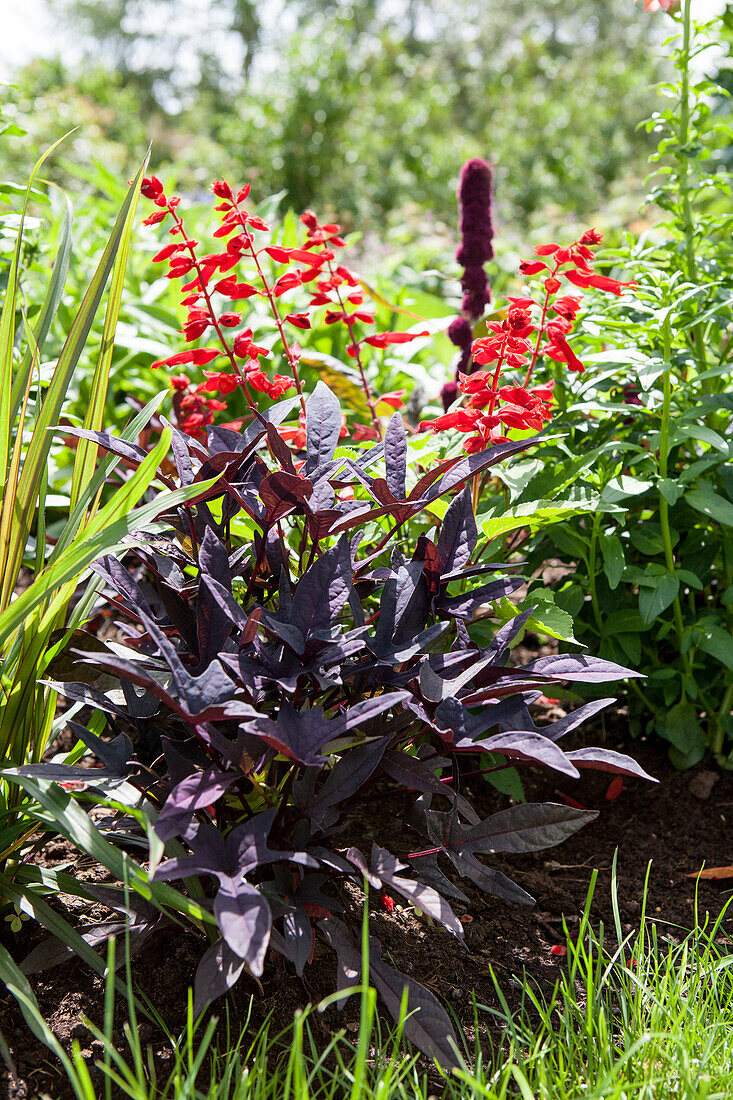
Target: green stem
(663, 468)
(716, 742)
(683, 178)
(592, 572)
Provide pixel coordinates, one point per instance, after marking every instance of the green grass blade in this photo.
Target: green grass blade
(49, 308)
(7, 325)
(106, 467)
(86, 454)
(11, 552)
(102, 535)
(16, 983)
(73, 823)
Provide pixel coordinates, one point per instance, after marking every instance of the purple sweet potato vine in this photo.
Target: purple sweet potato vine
(294, 661)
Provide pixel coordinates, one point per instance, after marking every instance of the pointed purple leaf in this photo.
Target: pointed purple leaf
(458, 533)
(529, 827)
(322, 426)
(195, 792)
(532, 748)
(606, 760)
(244, 919)
(395, 456)
(425, 898)
(586, 670)
(427, 1025)
(323, 590)
(216, 973)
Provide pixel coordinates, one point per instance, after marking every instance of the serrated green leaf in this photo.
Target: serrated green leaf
(549, 620)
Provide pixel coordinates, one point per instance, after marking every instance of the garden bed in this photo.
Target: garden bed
(669, 825)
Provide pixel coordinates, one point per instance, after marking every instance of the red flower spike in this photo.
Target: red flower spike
(384, 339)
(529, 267)
(151, 187)
(300, 320)
(155, 218)
(365, 431)
(230, 288)
(222, 190)
(257, 223)
(394, 398)
(197, 356)
(280, 255)
(166, 252)
(279, 385)
(218, 382)
(599, 282)
(286, 282)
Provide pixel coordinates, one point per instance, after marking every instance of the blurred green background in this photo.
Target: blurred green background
(364, 111)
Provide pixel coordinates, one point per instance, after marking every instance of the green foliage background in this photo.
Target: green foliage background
(364, 110)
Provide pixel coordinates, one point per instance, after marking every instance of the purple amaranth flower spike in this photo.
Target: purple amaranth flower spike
(476, 230)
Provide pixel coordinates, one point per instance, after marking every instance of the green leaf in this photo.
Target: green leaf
(537, 513)
(7, 326)
(507, 782)
(550, 620)
(17, 525)
(648, 371)
(712, 505)
(701, 433)
(631, 645)
(681, 727)
(569, 542)
(15, 982)
(657, 598)
(716, 642)
(619, 488)
(627, 621)
(86, 453)
(670, 490)
(614, 561)
(48, 310)
(647, 540)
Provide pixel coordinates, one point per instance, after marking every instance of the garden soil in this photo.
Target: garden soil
(666, 831)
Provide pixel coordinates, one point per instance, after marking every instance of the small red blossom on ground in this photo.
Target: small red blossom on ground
(387, 902)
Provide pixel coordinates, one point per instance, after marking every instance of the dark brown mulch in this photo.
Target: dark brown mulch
(675, 825)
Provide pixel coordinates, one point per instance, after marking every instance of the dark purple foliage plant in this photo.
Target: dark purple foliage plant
(293, 659)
